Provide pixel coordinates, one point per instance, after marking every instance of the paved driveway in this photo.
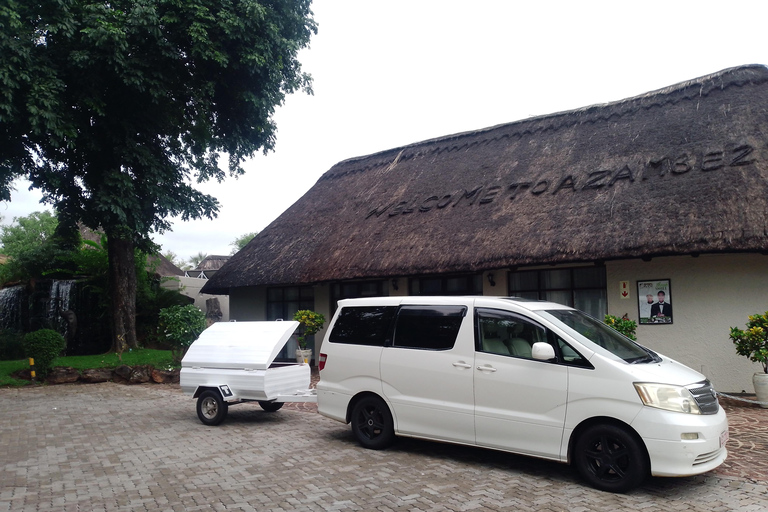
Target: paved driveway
(114, 447)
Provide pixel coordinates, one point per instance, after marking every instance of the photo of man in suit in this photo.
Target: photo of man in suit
(661, 309)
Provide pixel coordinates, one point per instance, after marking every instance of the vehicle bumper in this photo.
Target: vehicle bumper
(672, 455)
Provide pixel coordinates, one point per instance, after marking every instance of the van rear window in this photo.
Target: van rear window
(428, 327)
(363, 325)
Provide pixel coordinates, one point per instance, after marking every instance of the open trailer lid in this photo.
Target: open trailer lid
(235, 345)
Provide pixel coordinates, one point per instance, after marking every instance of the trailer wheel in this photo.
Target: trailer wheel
(211, 408)
(270, 406)
(372, 423)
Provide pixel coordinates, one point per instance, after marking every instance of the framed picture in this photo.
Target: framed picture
(654, 302)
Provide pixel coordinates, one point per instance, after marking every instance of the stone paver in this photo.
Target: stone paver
(110, 447)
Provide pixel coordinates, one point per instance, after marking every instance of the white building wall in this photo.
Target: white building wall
(190, 286)
(709, 294)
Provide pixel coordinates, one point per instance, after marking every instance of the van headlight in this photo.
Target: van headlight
(667, 397)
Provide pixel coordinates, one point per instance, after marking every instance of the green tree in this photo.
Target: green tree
(195, 260)
(114, 109)
(30, 246)
(241, 241)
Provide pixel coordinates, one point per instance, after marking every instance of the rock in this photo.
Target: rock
(165, 376)
(122, 374)
(94, 375)
(139, 375)
(63, 375)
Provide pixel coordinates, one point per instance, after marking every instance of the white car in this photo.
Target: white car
(527, 377)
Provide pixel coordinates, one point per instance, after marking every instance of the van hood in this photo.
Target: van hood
(667, 371)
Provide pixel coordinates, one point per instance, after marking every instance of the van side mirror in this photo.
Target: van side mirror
(542, 351)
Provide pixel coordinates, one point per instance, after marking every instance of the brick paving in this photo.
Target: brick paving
(111, 447)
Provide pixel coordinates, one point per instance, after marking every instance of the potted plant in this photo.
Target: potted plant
(311, 322)
(753, 344)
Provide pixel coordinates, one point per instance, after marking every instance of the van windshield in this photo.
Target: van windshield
(602, 335)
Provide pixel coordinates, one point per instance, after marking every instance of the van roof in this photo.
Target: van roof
(439, 300)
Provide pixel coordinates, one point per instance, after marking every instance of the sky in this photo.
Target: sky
(391, 73)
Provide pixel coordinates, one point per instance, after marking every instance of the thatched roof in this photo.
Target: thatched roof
(212, 262)
(164, 266)
(680, 170)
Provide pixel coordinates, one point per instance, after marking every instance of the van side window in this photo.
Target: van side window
(507, 334)
(428, 327)
(363, 325)
(570, 356)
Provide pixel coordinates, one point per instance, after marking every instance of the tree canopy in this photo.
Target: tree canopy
(241, 241)
(115, 109)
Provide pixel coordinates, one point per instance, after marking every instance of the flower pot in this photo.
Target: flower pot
(303, 355)
(760, 381)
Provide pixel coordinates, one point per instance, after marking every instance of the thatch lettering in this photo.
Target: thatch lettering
(566, 182)
(518, 187)
(540, 187)
(740, 155)
(400, 208)
(682, 164)
(424, 206)
(378, 211)
(445, 201)
(712, 161)
(490, 193)
(624, 174)
(595, 179)
(469, 194)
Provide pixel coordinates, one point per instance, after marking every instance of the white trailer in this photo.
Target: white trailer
(234, 362)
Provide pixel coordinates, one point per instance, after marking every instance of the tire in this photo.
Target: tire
(372, 423)
(211, 408)
(270, 406)
(610, 458)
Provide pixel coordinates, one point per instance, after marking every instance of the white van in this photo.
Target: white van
(527, 377)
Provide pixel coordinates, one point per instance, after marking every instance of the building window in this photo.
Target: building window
(282, 303)
(468, 284)
(583, 288)
(355, 290)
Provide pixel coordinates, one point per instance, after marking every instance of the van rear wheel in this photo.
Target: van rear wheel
(610, 458)
(372, 423)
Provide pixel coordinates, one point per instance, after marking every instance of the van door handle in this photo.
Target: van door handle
(462, 365)
(486, 368)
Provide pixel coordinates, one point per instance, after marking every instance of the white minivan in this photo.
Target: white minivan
(527, 377)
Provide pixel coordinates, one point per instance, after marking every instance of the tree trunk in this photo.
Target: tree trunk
(122, 291)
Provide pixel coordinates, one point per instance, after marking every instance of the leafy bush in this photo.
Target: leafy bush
(179, 327)
(753, 343)
(311, 322)
(11, 345)
(625, 326)
(44, 346)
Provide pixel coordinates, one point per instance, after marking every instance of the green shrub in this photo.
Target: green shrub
(179, 327)
(11, 345)
(625, 326)
(44, 346)
(753, 343)
(311, 322)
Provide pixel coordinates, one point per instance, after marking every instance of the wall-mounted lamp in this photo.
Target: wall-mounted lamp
(491, 280)
(394, 284)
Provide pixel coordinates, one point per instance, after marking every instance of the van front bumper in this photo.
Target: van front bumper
(682, 444)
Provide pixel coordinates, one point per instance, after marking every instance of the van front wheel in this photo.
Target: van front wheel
(610, 459)
(372, 423)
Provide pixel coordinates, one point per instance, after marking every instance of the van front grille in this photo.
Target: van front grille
(705, 397)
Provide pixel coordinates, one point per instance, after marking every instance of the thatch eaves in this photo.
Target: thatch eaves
(681, 170)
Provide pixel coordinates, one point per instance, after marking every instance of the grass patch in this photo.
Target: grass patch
(7, 368)
(160, 359)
